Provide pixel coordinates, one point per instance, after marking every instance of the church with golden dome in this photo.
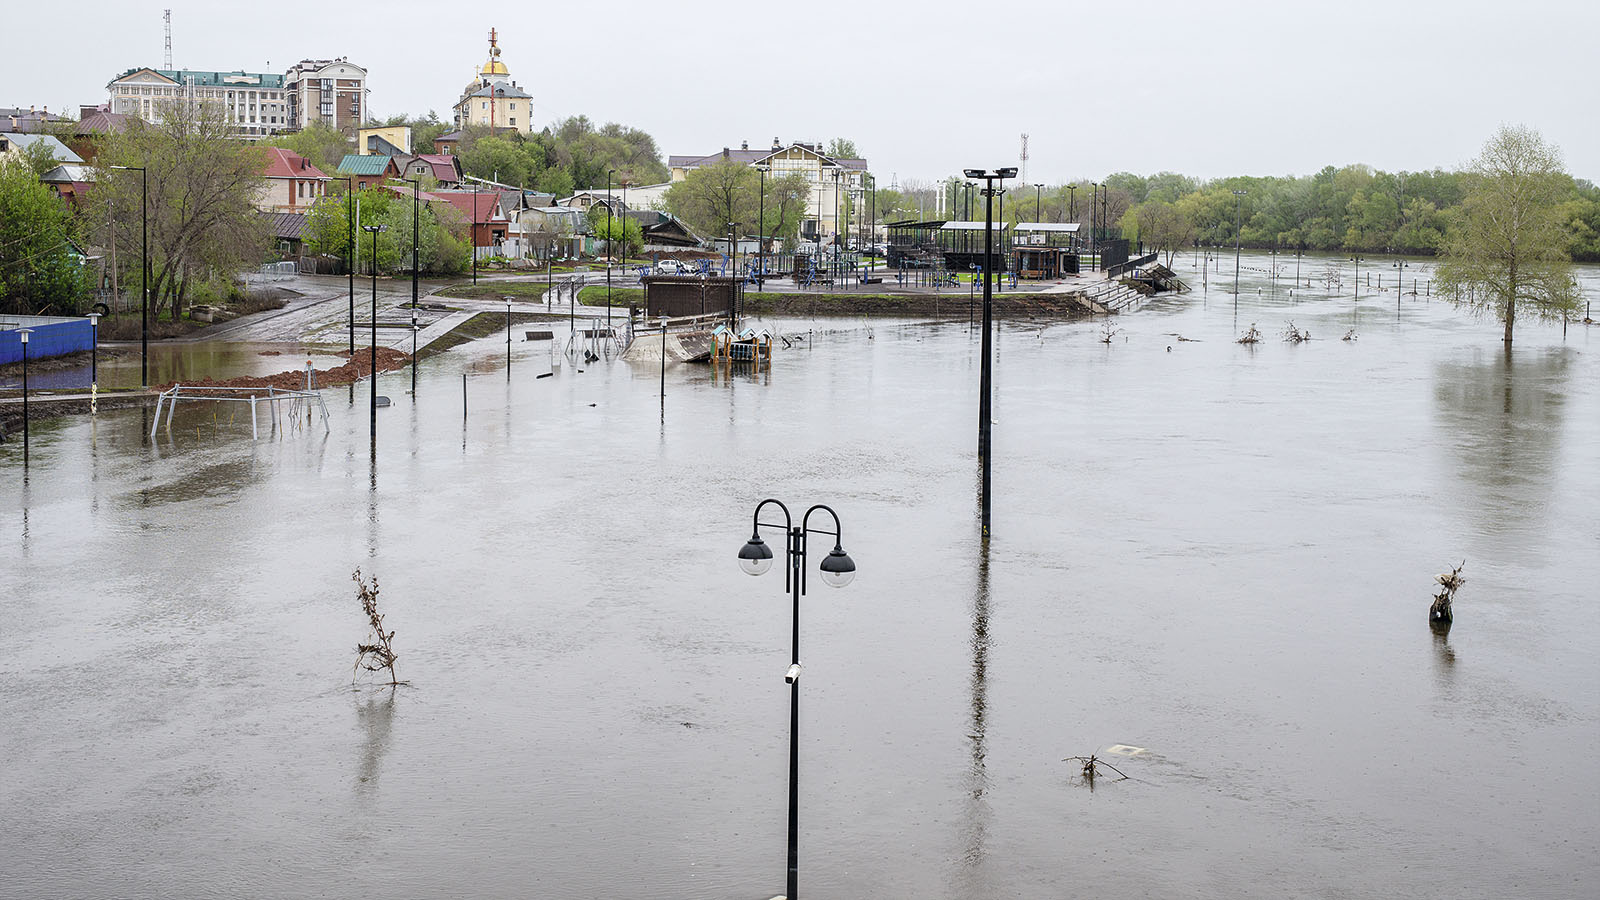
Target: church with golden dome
(492, 100)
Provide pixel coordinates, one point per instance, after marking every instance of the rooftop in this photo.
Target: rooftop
(238, 78)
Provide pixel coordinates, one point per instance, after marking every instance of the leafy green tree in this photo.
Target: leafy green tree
(617, 229)
(321, 143)
(1509, 247)
(203, 187)
(842, 148)
(710, 197)
(38, 272)
(442, 229)
(1161, 225)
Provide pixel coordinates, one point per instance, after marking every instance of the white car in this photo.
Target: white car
(671, 267)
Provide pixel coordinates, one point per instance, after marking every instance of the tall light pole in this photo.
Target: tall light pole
(416, 236)
(472, 241)
(144, 272)
(611, 246)
(1038, 202)
(838, 570)
(1238, 228)
(986, 377)
(350, 253)
(1094, 237)
(761, 236)
(624, 228)
(373, 350)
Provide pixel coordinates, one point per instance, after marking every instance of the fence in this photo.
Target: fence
(51, 336)
(1126, 267)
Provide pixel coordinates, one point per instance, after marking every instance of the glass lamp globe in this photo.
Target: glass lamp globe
(838, 569)
(755, 557)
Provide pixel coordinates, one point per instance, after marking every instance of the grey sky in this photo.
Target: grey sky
(924, 88)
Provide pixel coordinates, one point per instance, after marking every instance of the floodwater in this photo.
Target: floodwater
(1218, 553)
(119, 368)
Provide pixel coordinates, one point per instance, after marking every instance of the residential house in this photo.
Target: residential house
(559, 231)
(71, 182)
(663, 231)
(288, 233)
(330, 91)
(94, 123)
(368, 170)
(831, 180)
(448, 142)
(293, 183)
(442, 168)
(15, 144)
(490, 225)
(16, 120)
(384, 140)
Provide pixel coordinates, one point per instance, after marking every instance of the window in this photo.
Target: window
(513, 121)
(486, 104)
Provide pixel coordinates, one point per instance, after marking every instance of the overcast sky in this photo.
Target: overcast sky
(924, 87)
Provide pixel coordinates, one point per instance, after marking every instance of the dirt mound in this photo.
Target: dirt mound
(389, 359)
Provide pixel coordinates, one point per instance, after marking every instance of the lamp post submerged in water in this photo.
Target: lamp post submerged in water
(986, 378)
(838, 570)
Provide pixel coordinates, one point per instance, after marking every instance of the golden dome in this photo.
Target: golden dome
(494, 67)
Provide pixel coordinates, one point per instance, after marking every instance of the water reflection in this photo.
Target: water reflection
(1503, 413)
(375, 717)
(976, 823)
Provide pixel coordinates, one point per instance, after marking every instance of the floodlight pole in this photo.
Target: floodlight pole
(986, 377)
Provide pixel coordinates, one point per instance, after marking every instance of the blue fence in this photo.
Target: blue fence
(52, 336)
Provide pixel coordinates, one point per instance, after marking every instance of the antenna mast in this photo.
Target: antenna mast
(1022, 161)
(166, 23)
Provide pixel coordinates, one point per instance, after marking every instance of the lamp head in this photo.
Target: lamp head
(973, 173)
(22, 334)
(838, 569)
(755, 557)
(1008, 172)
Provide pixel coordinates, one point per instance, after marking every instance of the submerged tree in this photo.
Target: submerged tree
(1509, 245)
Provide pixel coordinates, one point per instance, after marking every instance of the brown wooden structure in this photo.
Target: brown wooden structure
(690, 295)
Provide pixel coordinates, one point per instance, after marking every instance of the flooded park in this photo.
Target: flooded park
(1211, 566)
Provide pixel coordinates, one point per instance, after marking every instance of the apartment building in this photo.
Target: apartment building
(330, 91)
(257, 104)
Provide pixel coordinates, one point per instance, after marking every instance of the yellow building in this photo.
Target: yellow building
(492, 100)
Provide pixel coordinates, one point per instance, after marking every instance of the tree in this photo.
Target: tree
(613, 228)
(321, 143)
(712, 196)
(203, 188)
(37, 268)
(1508, 245)
(785, 206)
(842, 148)
(1161, 225)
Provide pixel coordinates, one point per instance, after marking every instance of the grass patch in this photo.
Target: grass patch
(479, 326)
(495, 290)
(595, 295)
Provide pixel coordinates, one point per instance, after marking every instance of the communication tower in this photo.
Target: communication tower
(1022, 161)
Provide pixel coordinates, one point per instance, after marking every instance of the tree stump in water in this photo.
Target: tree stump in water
(1440, 613)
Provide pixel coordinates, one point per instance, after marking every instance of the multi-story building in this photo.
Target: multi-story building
(831, 180)
(492, 100)
(257, 104)
(330, 91)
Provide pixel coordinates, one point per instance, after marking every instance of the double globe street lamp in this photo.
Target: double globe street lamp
(838, 570)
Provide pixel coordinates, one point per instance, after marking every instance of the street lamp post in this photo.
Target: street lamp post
(416, 235)
(94, 349)
(1038, 202)
(1400, 267)
(986, 376)
(413, 352)
(1094, 240)
(144, 272)
(663, 364)
(350, 252)
(1238, 226)
(374, 230)
(624, 228)
(508, 340)
(22, 335)
(838, 570)
(1357, 260)
(611, 247)
(761, 233)
(472, 241)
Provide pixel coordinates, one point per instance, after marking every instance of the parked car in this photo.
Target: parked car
(671, 267)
